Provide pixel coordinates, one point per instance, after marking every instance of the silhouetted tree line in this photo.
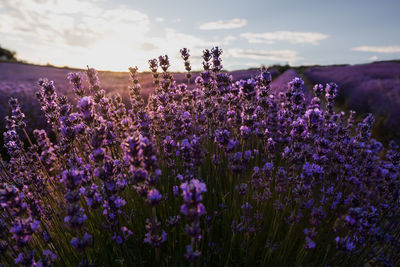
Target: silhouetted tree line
(7, 55)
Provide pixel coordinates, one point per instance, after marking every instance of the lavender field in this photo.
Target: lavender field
(199, 133)
(193, 169)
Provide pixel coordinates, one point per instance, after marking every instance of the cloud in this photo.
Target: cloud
(271, 55)
(292, 37)
(373, 58)
(378, 49)
(228, 39)
(159, 19)
(147, 47)
(173, 39)
(81, 32)
(73, 23)
(224, 24)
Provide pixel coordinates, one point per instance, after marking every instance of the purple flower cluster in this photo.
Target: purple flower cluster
(193, 209)
(185, 56)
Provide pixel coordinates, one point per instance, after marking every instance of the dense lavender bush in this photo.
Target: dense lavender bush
(18, 80)
(215, 173)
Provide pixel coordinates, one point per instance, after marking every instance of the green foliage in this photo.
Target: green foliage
(7, 55)
(280, 68)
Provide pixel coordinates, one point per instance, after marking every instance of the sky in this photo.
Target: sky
(113, 35)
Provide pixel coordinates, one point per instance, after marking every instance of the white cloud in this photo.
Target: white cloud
(224, 24)
(373, 58)
(228, 39)
(147, 47)
(271, 55)
(159, 19)
(173, 39)
(292, 37)
(73, 22)
(378, 49)
(81, 32)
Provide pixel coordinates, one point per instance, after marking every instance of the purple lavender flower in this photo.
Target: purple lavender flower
(153, 197)
(164, 62)
(216, 60)
(85, 106)
(191, 255)
(81, 243)
(155, 235)
(75, 79)
(185, 56)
